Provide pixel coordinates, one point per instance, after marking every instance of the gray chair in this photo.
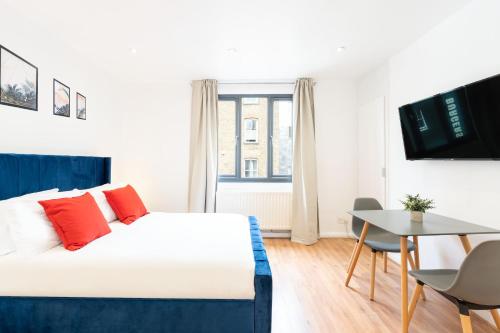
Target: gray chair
(475, 286)
(377, 239)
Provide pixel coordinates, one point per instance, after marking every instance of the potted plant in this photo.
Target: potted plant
(417, 206)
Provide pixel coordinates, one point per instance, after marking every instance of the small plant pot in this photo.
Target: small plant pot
(416, 216)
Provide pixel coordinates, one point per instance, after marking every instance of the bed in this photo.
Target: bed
(185, 272)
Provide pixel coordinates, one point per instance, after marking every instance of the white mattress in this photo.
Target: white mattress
(207, 256)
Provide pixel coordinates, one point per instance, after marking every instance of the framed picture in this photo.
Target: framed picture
(81, 106)
(61, 99)
(18, 81)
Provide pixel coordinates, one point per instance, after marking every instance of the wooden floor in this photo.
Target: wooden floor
(309, 293)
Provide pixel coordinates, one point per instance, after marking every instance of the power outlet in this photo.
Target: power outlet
(341, 221)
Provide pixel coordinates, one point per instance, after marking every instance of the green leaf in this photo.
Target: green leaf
(417, 204)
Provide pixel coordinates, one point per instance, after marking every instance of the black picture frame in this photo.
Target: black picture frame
(78, 115)
(54, 107)
(35, 108)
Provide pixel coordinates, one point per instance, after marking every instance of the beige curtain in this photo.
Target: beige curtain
(305, 226)
(203, 150)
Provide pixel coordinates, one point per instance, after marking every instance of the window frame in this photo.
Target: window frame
(237, 177)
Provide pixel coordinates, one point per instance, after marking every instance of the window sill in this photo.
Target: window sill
(254, 187)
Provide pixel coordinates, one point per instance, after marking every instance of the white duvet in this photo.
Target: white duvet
(206, 256)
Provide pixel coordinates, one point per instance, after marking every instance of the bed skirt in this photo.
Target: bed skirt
(124, 315)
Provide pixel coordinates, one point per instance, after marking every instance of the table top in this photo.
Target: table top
(398, 222)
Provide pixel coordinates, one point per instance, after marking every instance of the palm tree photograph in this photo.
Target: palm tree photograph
(61, 99)
(18, 81)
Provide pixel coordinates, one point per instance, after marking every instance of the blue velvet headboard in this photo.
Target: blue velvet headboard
(21, 174)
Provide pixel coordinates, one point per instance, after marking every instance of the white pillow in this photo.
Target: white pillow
(6, 243)
(29, 227)
(101, 200)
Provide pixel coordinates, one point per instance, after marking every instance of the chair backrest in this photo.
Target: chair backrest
(363, 204)
(478, 280)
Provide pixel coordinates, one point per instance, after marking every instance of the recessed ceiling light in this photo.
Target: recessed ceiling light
(232, 50)
(341, 49)
(133, 50)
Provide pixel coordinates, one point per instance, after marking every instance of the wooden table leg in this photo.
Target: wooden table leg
(467, 247)
(372, 275)
(359, 247)
(385, 262)
(465, 243)
(404, 284)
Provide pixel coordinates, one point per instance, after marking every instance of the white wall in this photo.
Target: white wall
(155, 143)
(336, 137)
(460, 50)
(373, 89)
(24, 131)
(373, 85)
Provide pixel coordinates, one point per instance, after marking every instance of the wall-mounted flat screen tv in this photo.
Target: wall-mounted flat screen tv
(463, 123)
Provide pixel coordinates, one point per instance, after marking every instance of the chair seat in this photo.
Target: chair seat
(438, 279)
(384, 241)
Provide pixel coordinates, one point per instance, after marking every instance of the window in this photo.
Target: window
(227, 138)
(255, 138)
(251, 134)
(250, 168)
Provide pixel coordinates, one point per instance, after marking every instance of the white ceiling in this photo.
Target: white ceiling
(189, 39)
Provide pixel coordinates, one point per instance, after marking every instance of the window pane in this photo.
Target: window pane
(250, 134)
(227, 138)
(254, 140)
(250, 168)
(282, 138)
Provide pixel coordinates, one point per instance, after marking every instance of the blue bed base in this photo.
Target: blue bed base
(22, 174)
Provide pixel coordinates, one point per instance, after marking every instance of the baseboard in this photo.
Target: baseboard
(287, 234)
(335, 234)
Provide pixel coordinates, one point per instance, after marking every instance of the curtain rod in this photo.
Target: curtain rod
(257, 82)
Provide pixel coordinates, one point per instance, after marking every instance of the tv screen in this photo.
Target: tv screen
(460, 124)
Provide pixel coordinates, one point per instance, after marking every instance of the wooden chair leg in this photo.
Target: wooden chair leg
(352, 255)
(359, 247)
(372, 275)
(414, 299)
(385, 262)
(412, 263)
(466, 324)
(417, 259)
(496, 318)
(414, 267)
(465, 320)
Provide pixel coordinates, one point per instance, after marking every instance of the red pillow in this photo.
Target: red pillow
(78, 221)
(126, 204)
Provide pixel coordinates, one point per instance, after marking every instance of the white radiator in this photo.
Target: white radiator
(273, 209)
